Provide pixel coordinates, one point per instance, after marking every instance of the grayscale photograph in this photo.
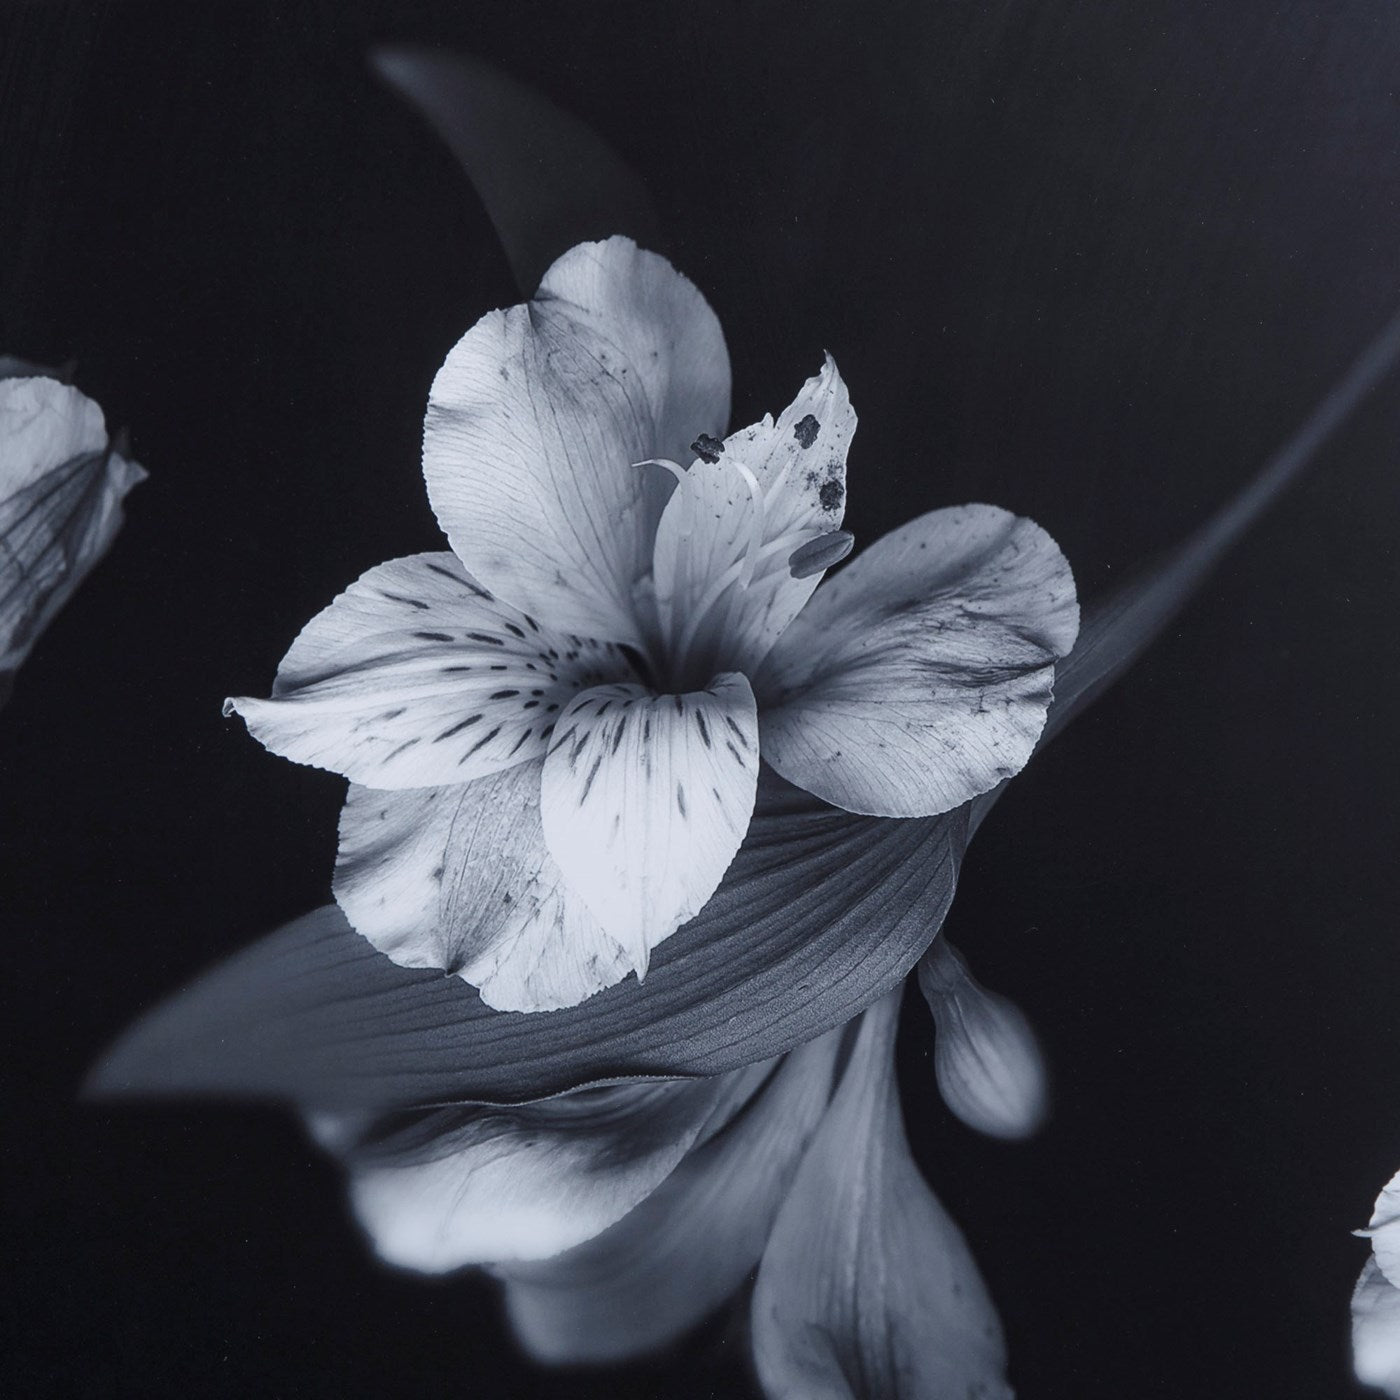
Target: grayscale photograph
(698, 699)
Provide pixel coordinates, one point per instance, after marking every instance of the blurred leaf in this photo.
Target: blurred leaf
(547, 181)
(820, 915)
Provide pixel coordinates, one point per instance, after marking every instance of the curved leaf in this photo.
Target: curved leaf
(547, 181)
(821, 913)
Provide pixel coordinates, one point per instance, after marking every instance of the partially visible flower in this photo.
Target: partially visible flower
(619, 1217)
(553, 733)
(1375, 1305)
(989, 1067)
(441, 1189)
(61, 488)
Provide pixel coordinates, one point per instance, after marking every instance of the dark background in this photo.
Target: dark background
(1088, 261)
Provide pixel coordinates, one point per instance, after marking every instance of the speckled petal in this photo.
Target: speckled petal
(920, 675)
(417, 677)
(646, 799)
(725, 587)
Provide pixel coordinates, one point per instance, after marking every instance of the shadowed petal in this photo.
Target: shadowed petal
(990, 1070)
(61, 492)
(867, 1289)
(661, 1269)
(538, 414)
(646, 799)
(725, 588)
(1375, 1330)
(460, 878)
(452, 1187)
(920, 675)
(416, 676)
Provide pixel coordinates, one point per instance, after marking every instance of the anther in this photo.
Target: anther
(820, 553)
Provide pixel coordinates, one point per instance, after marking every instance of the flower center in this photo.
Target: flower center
(715, 621)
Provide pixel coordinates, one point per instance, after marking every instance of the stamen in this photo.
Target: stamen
(674, 468)
(820, 553)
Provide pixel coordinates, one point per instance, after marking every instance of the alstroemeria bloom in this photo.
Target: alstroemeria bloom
(1375, 1303)
(553, 732)
(61, 490)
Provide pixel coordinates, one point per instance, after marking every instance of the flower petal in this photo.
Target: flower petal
(460, 878)
(675, 1258)
(725, 588)
(416, 676)
(867, 1288)
(61, 493)
(646, 799)
(1375, 1330)
(44, 424)
(440, 1190)
(989, 1067)
(920, 675)
(538, 414)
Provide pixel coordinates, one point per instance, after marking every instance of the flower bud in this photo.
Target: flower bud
(61, 488)
(986, 1059)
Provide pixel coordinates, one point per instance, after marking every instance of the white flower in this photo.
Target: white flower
(61, 490)
(1375, 1305)
(553, 732)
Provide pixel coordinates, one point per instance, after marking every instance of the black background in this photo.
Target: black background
(1088, 261)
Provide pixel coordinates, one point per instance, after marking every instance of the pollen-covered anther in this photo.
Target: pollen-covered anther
(820, 554)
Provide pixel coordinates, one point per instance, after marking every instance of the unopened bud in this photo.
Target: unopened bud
(820, 553)
(986, 1059)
